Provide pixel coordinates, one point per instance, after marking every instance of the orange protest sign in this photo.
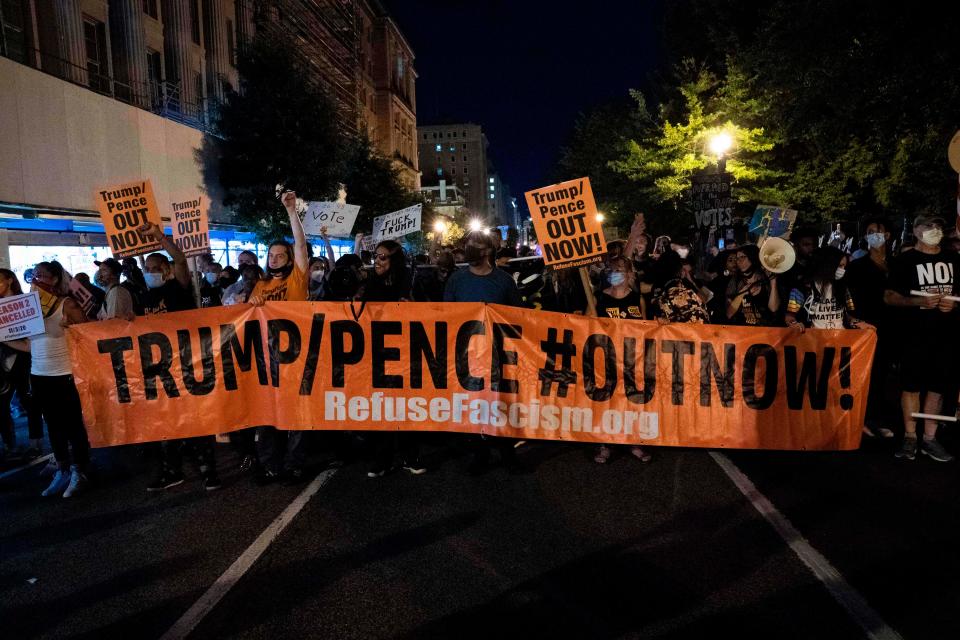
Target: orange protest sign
(469, 368)
(191, 228)
(123, 210)
(565, 219)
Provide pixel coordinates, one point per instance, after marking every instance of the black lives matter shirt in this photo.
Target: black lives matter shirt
(937, 274)
(172, 296)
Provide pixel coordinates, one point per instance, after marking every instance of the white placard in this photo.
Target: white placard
(397, 224)
(20, 316)
(337, 217)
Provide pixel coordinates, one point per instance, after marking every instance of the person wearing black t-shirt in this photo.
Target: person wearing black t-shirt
(620, 300)
(929, 339)
(169, 290)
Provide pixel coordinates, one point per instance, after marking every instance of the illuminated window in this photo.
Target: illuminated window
(439, 148)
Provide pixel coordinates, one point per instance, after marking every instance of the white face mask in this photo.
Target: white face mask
(839, 273)
(211, 277)
(876, 240)
(683, 252)
(317, 277)
(617, 278)
(932, 237)
(154, 280)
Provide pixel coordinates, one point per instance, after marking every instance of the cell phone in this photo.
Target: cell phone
(721, 243)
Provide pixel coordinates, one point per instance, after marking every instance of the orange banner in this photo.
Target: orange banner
(123, 210)
(568, 229)
(469, 368)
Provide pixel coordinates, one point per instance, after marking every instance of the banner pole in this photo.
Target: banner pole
(588, 291)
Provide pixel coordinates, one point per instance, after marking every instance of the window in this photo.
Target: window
(453, 158)
(464, 134)
(454, 134)
(491, 180)
(195, 20)
(424, 136)
(231, 54)
(150, 8)
(95, 39)
(439, 148)
(439, 171)
(491, 187)
(463, 146)
(198, 87)
(12, 29)
(453, 172)
(466, 170)
(453, 148)
(155, 77)
(434, 135)
(492, 196)
(464, 158)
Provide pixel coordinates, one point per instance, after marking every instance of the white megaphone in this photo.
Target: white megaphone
(777, 255)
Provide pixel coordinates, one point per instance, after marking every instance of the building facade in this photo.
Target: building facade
(457, 154)
(100, 92)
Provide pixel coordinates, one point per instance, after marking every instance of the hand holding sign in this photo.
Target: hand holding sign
(152, 230)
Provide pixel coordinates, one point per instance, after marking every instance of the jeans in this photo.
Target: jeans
(19, 378)
(57, 399)
(275, 445)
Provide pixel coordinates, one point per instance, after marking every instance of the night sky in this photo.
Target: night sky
(524, 70)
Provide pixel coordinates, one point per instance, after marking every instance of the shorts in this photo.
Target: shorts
(923, 368)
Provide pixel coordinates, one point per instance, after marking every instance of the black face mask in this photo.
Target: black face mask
(473, 255)
(281, 272)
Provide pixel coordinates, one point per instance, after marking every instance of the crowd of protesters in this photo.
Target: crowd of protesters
(906, 295)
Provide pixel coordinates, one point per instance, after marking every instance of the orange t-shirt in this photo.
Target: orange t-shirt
(292, 288)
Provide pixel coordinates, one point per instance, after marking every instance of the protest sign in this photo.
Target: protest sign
(397, 224)
(337, 217)
(772, 222)
(565, 219)
(711, 201)
(469, 368)
(191, 227)
(83, 296)
(20, 317)
(123, 210)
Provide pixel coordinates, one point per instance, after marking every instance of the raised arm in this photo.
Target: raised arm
(300, 256)
(181, 270)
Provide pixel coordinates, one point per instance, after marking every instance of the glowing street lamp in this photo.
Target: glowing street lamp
(719, 145)
(475, 225)
(599, 217)
(440, 226)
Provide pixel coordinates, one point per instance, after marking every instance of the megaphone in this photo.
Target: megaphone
(777, 255)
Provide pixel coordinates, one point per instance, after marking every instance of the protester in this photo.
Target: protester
(620, 299)
(228, 276)
(724, 266)
(318, 278)
(170, 290)
(429, 281)
(481, 281)
(680, 298)
(16, 379)
(346, 278)
(563, 291)
(51, 379)
(752, 298)
(118, 302)
(239, 292)
(134, 283)
(286, 280)
(823, 300)
(233, 292)
(211, 295)
(867, 279)
(929, 337)
(391, 282)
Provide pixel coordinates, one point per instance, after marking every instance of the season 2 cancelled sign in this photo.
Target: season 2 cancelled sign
(123, 210)
(565, 218)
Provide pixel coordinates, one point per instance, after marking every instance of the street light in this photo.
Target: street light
(719, 145)
(440, 226)
(599, 217)
(475, 225)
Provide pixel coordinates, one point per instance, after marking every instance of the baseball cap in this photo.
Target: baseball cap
(928, 219)
(111, 263)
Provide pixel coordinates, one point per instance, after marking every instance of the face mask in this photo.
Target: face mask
(683, 252)
(154, 280)
(617, 278)
(932, 237)
(42, 286)
(839, 273)
(280, 272)
(316, 277)
(875, 240)
(473, 255)
(211, 277)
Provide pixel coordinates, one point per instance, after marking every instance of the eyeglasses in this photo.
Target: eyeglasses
(381, 256)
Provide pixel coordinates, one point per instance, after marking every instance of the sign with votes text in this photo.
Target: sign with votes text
(123, 210)
(397, 224)
(191, 227)
(20, 317)
(565, 219)
(711, 200)
(337, 217)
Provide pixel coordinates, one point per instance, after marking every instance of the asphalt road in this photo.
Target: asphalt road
(668, 549)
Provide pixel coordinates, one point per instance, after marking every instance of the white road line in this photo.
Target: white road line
(848, 597)
(34, 462)
(189, 620)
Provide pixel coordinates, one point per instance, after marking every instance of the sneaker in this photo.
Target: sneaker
(603, 454)
(908, 449)
(248, 463)
(640, 454)
(935, 451)
(414, 468)
(377, 472)
(267, 477)
(49, 469)
(294, 477)
(211, 481)
(165, 481)
(77, 482)
(61, 479)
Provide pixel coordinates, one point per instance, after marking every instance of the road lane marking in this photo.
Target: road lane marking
(195, 614)
(845, 595)
(32, 463)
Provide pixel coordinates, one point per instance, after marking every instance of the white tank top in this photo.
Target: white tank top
(48, 351)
